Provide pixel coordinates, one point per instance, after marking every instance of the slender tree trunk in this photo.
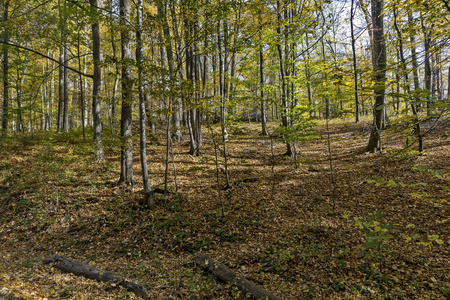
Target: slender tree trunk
(405, 74)
(66, 86)
(48, 88)
(223, 63)
(73, 116)
(116, 77)
(162, 12)
(5, 65)
(262, 82)
(415, 68)
(379, 68)
(80, 79)
(427, 62)
(142, 137)
(19, 83)
(284, 101)
(126, 159)
(448, 83)
(306, 57)
(96, 103)
(263, 101)
(194, 125)
(50, 94)
(325, 78)
(355, 69)
(61, 84)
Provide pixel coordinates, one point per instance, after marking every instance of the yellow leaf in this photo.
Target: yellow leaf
(391, 183)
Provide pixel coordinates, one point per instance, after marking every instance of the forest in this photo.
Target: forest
(225, 149)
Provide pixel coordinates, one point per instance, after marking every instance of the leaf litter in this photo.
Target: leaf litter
(383, 231)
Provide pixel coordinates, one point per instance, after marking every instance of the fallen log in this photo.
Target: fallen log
(226, 275)
(80, 269)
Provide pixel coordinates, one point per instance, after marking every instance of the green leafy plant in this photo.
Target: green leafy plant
(377, 235)
(29, 263)
(338, 285)
(446, 290)
(67, 292)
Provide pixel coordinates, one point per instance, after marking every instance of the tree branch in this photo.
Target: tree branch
(45, 56)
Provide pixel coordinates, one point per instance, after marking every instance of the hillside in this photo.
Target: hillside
(381, 232)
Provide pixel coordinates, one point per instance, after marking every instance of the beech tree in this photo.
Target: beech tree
(126, 156)
(96, 103)
(5, 65)
(379, 69)
(148, 196)
(219, 61)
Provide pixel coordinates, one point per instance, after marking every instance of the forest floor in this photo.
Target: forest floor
(381, 232)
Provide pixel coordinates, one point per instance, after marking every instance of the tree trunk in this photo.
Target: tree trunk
(83, 117)
(73, 115)
(80, 269)
(226, 275)
(96, 103)
(116, 77)
(262, 82)
(19, 83)
(61, 83)
(47, 95)
(263, 101)
(51, 93)
(284, 101)
(379, 68)
(405, 74)
(162, 12)
(66, 86)
(306, 57)
(415, 68)
(193, 114)
(5, 65)
(355, 69)
(427, 62)
(148, 196)
(126, 158)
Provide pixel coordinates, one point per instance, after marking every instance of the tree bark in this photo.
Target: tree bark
(126, 157)
(355, 69)
(5, 65)
(427, 62)
(162, 12)
(61, 84)
(306, 57)
(66, 86)
(193, 113)
(82, 100)
(226, 275)
(47, 95)
(262, 81)
(148, 195)
(405, 74)
(379, 68)
(80, 269)
(116, 77)
(284, 97)
(96, 103)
